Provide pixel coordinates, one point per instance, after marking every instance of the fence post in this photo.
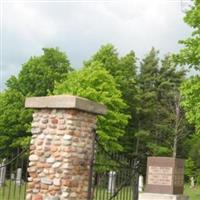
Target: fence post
(136, 179)
(61, 147)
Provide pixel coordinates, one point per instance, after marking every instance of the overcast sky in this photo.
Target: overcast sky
(80, 27)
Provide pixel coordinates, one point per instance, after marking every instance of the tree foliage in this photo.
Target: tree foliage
(36, 78)
(95, 83)
(174, 127)
(14, 121)
(39, 73)
(160, 115)
(123, 70)
(191, 100)
(190, 54)
(142, 103)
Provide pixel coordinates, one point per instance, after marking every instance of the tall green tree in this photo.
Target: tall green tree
(161, 119)
(171, 126)
(39, 73)
(123, 70)
(108, 56)
(14, 121)
(148, 84)
(36, 78)
(147, 109)
(95, 83)
(191, 98)
(189, 55)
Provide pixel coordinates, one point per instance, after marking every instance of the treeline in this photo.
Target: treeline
(145, 116)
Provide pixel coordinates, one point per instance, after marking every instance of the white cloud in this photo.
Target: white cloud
(80, 28)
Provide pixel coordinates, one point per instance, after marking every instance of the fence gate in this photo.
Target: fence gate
(13, 175)
(114, 176)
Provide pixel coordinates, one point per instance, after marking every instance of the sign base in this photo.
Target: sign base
(153, 196)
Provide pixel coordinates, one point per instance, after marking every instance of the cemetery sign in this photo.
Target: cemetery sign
(165, 175)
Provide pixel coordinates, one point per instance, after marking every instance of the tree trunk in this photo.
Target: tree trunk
(175, 146)
(176, 129)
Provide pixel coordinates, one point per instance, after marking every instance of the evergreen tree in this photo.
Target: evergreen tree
(147, 113)
(161, 125)
(171, 126)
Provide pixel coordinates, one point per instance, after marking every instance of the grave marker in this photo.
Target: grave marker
(19, 177)
(141, 183)
(111, 182)
(12, 177)
(2, 172)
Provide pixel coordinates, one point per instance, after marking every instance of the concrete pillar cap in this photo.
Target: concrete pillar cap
(65, 101)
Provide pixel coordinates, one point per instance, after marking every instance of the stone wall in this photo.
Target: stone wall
(60, 154)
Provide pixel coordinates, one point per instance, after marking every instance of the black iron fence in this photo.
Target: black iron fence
(113, 181)
(13, 175)
(115, 176)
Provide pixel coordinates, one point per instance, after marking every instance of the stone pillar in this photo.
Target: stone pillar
(61, 147)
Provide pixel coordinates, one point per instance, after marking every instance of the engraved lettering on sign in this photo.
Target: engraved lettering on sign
(160, 175)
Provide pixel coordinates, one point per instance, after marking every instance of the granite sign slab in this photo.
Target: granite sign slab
(165, 175)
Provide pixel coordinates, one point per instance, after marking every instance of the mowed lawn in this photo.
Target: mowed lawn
(13, 192)
(102, 194)
(194, 194)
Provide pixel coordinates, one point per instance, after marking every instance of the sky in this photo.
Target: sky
(80, 27)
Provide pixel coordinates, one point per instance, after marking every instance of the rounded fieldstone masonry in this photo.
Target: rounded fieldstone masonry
(61, 147)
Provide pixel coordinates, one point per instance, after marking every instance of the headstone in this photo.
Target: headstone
(141, 183)
(19, 177)
(12, 177)
(2, 172)
(165, 178)
(112, 182)
(192, 182)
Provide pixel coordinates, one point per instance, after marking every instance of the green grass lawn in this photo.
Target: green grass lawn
(124, 194)
(13, 192)
(194, 194)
